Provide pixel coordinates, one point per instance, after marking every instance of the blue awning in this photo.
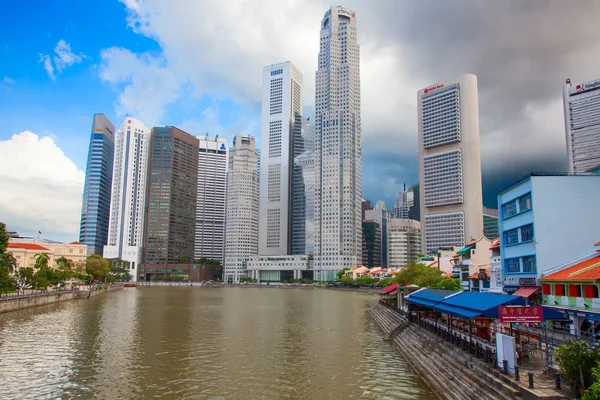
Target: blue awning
(458, 312)
(469, 305)
(429, 297)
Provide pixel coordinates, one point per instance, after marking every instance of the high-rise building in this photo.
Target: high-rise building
(241, 224)
(490, 222)
(281, 138)
(128, 200)
(414, 210)
(449, 163)
(371, 244)
(338, 186)
(171, 198)
(381, 217)
(95, 209)
(582, 124)
(402, 206)
(303, 199)
(210, 207)
(404, 242)
(366, 205)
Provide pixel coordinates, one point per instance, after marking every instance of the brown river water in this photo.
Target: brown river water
(203, 343)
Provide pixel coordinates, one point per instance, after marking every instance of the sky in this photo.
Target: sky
(197, 65)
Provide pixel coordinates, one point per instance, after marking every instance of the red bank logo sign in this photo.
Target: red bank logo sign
(431, 89)
(587, 86)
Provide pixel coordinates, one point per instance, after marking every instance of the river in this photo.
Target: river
(203, 343)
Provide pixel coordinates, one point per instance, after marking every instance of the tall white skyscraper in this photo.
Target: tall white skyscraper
(582, 124)
(338, 190)
(241, 224)
(281, 138)
(128, 200)
(210, 208)
(303, 193)
(449, 163)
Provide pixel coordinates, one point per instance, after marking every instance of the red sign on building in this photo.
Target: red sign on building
(520, 314)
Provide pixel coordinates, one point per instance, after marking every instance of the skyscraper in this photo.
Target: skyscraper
(210, 208)
(241, 226)
(404, 242)
(402, 206)
(95, 209)
(281, 138)
(171, 197)
(449, 163)
(582, 124)
(338, 224)
(381, 217)
(371, 244)
(128, 200)
(303, 193)
(490, 222)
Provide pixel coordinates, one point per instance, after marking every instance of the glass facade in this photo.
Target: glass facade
(303, 191)
(371, 252)
(95, 210)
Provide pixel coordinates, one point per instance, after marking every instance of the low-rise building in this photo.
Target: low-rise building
(357, 272)
(280, 268)
(75, 251)
(546, 220)
(496, 276)
(26, 253)
(573, 288)
(473, 260)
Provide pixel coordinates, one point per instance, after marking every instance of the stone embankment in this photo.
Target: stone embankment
(36, 300)
(451, 373)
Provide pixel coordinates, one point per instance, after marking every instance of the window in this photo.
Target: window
(525, 203)
(527, 233)
(559, 290)
(529, 264)
(511, 237)
(509, 209)
(512, 265)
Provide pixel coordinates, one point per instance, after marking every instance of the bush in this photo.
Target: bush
(575, 358)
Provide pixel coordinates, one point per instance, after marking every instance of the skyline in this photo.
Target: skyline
(184, 79)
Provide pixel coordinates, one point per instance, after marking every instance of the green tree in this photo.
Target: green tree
(418, 274)
(3, 238)
(7, 281)
(342, 273)
(44, 276)
(447, 284)
(97, 266)
(574, 357)
(42, 260)
(593, 392)
(25, 277)
(119, 270)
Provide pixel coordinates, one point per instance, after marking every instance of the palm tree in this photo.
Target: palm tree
(8, 261)
(41, 260)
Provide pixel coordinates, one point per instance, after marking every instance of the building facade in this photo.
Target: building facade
(490, 222)
(535, 235)
(171, 198)
(209, 241)
(241, 224)
(280, 268)
(338, 186)
(404, 242)
(449, 163)
(582, 124)
(25, 251)
(95, 209)
(281, 138)
(303, 193)
(371, 244)
(402, 205)
(128, 198)
(381, 217)
(414, 210)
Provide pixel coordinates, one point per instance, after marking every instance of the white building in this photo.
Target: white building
(128, 199)
(338, 186)
(402, 206)
(281, 129)
(209, 238)
(279, 268)
(241, 224)
(582, 124)
(449, 164)
(404, 242)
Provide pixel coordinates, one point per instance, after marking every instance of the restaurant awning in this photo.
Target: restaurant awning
(429, 297)
(469, 305)
(388, 289)
(465, 249)
(526, 291)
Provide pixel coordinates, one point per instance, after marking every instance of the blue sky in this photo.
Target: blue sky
(197, 64)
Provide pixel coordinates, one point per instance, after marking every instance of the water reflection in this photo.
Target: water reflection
(204, 343)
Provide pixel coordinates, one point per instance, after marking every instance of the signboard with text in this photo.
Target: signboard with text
(520, 314)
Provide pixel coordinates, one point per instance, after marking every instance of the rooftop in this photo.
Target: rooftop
(27, 246)
(528, 176)
(587, 270)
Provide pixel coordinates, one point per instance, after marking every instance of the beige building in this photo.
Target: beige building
(404, 242)
(25, 249)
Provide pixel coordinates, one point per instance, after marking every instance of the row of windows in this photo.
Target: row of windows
(518, 235)
(516, 206)
(519, 265)
(443, 179)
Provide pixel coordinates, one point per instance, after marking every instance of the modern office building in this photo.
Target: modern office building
(279, 268)
(365, 205)
(490, 222)
(449, 163)
(402, 206)
(414, 201)
(404, 242)
(582, 124)
(338, 186)
(128, 200)
(381, 217)
(241, 224)
(303, 193)
(95, 208)
(281, 138)
(542, 227)
(171, 199)
(209, 239)
(371, 244)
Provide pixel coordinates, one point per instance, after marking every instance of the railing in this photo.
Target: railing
(33, 293)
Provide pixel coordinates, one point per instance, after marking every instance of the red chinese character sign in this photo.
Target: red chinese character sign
(521, 314)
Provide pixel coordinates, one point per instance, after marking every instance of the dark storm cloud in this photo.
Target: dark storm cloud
(521, 51)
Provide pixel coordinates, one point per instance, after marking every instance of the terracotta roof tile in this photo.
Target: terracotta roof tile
(588, 270)
(27, 246)
(75, 243)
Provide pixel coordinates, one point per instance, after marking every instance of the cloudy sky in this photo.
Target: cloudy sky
(197, 65)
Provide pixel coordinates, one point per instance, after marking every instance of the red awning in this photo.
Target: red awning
(526, 291)
(393, 292)
(389, 289)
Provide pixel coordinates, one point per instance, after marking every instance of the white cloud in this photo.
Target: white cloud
(146, 83)
(8, 81)
(64, 58)
(41, 187)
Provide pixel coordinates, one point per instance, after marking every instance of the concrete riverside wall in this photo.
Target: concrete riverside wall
(21, 303)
